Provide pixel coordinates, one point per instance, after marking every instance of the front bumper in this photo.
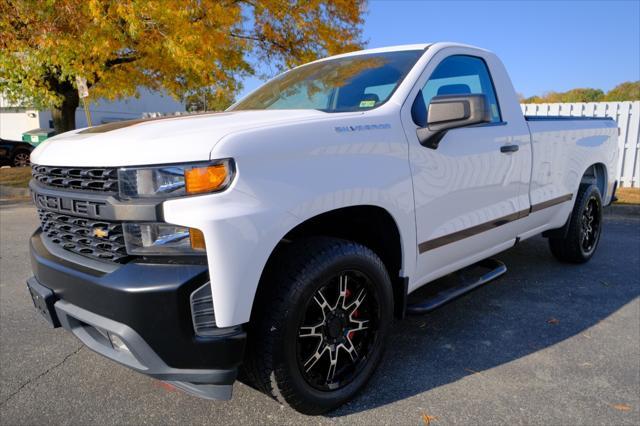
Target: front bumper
(147, 306)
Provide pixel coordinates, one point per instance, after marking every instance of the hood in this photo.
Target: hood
(156, 140)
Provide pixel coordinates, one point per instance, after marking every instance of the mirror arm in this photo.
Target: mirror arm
(429, 138)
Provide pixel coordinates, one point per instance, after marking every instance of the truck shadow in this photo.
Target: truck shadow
(539, 302)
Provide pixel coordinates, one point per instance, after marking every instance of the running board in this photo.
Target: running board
(467, 280)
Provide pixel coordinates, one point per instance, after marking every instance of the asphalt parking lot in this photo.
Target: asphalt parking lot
(545, 344)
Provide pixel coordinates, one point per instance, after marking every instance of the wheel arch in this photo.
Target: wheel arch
(370, 225)
(596, 174)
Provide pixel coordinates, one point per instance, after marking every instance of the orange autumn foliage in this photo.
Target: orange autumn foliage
(182, 47)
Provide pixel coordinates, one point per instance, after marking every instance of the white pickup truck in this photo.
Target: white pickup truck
(281, 237)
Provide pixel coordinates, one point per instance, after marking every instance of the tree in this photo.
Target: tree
(628, 91)
(184, 47)
(583, 95)
(573, 95)
(532, 100)
(207, 100)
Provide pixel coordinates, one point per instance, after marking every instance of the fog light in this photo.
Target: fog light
(147, 239)
(118, 344)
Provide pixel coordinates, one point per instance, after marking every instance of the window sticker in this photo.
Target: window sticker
(367, 104)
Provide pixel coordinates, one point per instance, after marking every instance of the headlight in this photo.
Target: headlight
(170, 181)
(175, 180)
(162, 239)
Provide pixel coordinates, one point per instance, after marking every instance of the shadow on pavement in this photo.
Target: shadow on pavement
(539, 302)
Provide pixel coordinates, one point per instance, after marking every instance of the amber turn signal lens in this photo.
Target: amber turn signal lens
(197, 239)
(205, 179)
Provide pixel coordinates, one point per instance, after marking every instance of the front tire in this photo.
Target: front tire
(321, 324)
(585, 227)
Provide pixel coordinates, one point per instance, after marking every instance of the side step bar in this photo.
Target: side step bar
(467, 280)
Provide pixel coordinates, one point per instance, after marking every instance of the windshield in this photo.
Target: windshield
(353, 83)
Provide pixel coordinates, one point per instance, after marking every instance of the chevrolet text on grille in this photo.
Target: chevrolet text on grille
(68, 205)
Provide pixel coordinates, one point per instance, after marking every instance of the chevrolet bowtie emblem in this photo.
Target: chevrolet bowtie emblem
(100, 233)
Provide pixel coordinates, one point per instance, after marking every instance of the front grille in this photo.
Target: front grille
(97, 239)
(104, 180)
(204, 320)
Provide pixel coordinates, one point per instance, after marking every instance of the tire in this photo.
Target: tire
(292, 322)
(585, 227)
(20, 158)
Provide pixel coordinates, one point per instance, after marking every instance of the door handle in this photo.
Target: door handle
(509, 148)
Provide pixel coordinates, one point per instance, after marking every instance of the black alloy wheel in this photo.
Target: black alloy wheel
(338, 331)
(579, 239)
(590, 225)
(318, 331)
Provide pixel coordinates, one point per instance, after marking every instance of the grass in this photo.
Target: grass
(17, 177)
(628, 195)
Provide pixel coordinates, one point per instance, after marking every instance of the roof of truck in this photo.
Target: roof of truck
(420, 46)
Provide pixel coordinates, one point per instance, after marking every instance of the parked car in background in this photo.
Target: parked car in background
(15, 153)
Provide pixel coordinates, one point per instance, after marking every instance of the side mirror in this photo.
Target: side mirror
(448, 112)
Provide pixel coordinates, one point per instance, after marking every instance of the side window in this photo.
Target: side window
(461, 74)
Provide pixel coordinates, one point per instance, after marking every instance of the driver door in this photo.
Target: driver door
(467, 189)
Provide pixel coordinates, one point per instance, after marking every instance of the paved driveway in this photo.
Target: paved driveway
(546, 344)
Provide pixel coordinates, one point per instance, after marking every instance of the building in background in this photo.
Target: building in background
(16, 120)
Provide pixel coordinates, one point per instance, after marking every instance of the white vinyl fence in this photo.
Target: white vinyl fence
(626, 114)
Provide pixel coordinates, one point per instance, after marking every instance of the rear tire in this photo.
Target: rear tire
(585, 228)
(320, 324)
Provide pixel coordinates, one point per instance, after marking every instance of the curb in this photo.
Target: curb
(632, 210)
(11, 192)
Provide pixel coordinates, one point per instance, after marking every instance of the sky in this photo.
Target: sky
(545, 45)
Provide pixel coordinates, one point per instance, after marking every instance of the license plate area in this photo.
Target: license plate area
(43, 300)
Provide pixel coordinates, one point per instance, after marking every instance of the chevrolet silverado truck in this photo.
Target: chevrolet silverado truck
(277, 241)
